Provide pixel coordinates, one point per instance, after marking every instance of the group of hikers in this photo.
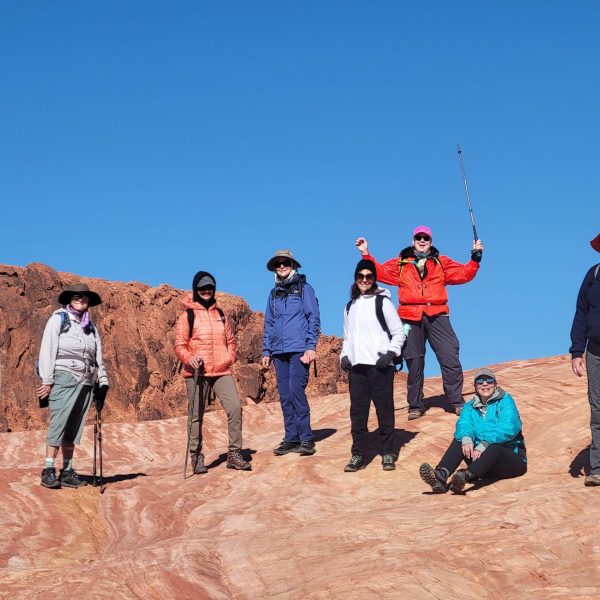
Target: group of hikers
(488, 436)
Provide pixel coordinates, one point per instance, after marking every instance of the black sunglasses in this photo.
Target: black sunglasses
(422, 238)
(368, 277)
(283, 263)
(484, 379)
(207, 288)
(80, 297)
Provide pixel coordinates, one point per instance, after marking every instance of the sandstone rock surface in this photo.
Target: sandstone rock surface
(299, 527)
(137, 327)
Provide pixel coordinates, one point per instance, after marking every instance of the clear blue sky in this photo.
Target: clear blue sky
(147, 140)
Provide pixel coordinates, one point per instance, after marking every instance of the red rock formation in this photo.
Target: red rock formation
(299, 527)
(137, 326)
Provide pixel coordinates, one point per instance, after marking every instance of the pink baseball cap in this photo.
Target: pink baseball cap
(422, 229)
(595, 243)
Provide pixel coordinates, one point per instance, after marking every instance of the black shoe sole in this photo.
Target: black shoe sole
(70, 485)
(427, 474)
(389, 467)
(284, 452)
(458, 482)
(248, 468)
(201, 472)
(349, 469)
(54, 486)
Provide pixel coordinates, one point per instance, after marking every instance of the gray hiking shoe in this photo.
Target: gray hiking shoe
(592, 480)
(388, 462)
(415, 413)
(286, 448)
(434, 478)
(236, 461)
(307, 448)
(69, 478)
(49, 479)
(355, 463)
(198, 465)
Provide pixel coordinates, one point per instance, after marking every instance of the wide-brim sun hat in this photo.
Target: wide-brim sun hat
(595, 243)
(83, 290)
(279, 254)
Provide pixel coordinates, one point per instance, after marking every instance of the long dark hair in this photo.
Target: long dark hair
(355, 292)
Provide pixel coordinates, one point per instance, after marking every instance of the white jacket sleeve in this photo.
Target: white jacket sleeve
(102, 378)
(345, 348)
(394, 325)
(49, 349)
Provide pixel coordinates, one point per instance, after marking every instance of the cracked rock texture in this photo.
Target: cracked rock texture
(137, 327)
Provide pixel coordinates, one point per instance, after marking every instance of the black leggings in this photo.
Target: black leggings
(496, 462)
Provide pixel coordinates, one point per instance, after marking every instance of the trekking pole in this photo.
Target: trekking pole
(464, 176)
(191, 405)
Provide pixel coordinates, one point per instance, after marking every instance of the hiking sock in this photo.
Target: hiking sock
(49, 463)
(67, 464)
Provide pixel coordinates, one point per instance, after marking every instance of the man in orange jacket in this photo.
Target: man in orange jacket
(421, 275)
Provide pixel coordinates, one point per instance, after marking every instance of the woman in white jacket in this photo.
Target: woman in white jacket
(70, 353)
(373, 337)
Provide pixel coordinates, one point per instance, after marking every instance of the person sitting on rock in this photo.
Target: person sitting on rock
(422, 274)
(291, 333)
(488, 438)
(373, 338)
(204, 341)
(70, 353)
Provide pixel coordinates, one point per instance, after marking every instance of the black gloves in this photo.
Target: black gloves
(384, 360)
(476, 255)
(100, 396)
(345, 364)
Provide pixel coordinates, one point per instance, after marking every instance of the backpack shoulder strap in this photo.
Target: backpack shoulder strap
(348, 306)
(65, 322)
(221, 314)
(380, 315)
(190, 319)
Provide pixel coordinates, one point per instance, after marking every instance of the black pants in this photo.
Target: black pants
(496, 462)
(369, 383)
(439, 333)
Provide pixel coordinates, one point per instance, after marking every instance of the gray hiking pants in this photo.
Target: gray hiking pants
(224, 388)
(443, 341)
(593, 374)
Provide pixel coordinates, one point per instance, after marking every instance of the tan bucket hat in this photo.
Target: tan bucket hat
(81, 289)
(279, 254)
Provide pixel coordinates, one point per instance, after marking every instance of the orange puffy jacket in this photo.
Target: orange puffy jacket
(428, 295)
(212, 340)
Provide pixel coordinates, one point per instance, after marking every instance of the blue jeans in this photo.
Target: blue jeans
(292, 377)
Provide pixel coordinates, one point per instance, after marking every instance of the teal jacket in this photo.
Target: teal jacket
(499, 423)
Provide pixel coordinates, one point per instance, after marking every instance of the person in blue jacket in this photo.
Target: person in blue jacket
(291, 332)
(585, 341)
(488, 438)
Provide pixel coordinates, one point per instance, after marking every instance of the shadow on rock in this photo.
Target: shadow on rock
(108, 479)
(323, 434)
(373, 446)
(580, 465)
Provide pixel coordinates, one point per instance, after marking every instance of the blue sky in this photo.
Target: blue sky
(147, 140)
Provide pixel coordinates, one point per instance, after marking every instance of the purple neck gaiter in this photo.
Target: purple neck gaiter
(84, 317)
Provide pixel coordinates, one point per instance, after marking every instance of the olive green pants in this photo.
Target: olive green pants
(224, 388)
(68, 404)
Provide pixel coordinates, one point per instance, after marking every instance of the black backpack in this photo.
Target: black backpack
(191, 315)
(398, 362)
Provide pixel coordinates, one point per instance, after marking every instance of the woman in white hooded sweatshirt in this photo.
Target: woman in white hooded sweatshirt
(373, 337)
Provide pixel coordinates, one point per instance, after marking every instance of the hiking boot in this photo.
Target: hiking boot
(236, 461)
(286, 448)
(49, 479)
(415, 413)
(389, 462)
(306, 448)
(458, 410)
(198, 465)
(355, 463)
(459, 480)
(69, 478)
(435, 478)
(592, 480)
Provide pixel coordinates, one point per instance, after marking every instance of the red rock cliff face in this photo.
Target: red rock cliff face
(137, 327)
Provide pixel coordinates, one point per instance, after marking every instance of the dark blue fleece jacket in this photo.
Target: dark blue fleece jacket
(586, 323)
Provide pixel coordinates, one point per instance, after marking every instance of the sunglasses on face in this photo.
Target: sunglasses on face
(368, 278)
(283, 263)
(206, 288)
(422, 237)
(484, 379)
(80, 298)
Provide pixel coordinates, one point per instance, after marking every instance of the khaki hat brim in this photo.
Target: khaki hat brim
(271, 263)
